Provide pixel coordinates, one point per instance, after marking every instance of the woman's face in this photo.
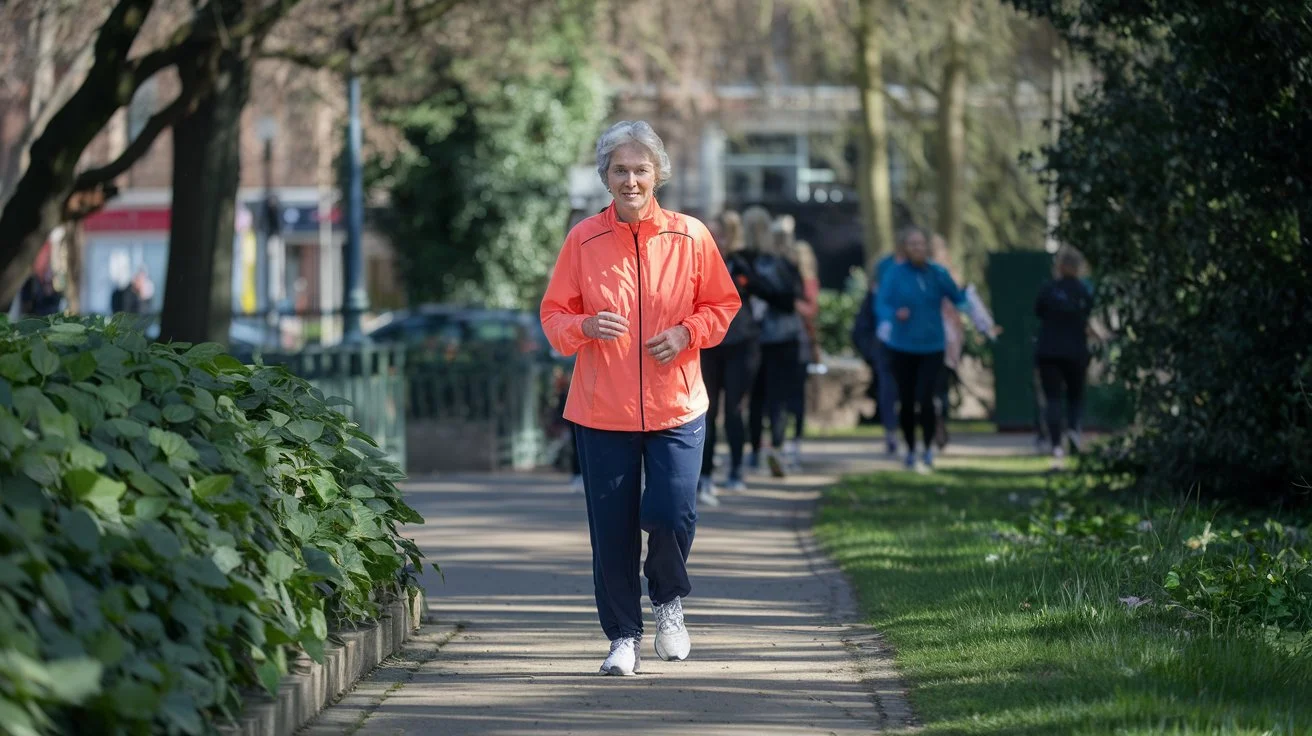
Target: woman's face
(631, 180)
(916, 249)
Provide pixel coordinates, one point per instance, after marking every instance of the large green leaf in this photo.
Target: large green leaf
(320, 563)
(55, 423)
(56, 593)
(81, 528)
(29, 401)
(124, 427)
(43, 360)
(146, 484)
(318, 624)
(202, 399)
(270, 677)
(150, 507)
(75, 680)
(134, 699)
(226, 559)
(17, 721)
(96, 489)
(161, 540)
(178, 413)
(82, 405)
(179, 710)
(280, 566)
(313, 647)
(114, 397)
(12, 433)
(173, 445)
(361, 491)
(308, 430)
(81, 365)
(324, 485)
(84, 456)
(39, 466)
(302, 525)
(212, 485)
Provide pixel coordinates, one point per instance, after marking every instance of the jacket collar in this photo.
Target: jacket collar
(653, 220)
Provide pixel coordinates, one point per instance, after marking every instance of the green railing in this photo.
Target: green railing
(505, 399)
(477, 410)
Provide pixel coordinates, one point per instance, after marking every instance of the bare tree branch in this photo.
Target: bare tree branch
(184, 103)
(428, 12)
(336, 61)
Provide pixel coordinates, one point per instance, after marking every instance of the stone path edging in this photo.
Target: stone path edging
(311, 686)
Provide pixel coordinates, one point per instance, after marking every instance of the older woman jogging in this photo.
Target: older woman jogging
(637, 292)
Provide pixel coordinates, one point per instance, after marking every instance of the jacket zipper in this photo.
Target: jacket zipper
(642, 394)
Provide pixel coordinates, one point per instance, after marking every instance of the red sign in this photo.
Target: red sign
(142, 219)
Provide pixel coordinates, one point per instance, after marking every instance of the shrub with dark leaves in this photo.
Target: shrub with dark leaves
(174, 525)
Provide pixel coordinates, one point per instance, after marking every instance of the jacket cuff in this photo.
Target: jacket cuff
(695, 337)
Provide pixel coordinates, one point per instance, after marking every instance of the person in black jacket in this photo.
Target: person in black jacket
(730, 367)
(1061, 352)
(776, 286)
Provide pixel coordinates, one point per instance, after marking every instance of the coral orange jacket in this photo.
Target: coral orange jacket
(665, 271)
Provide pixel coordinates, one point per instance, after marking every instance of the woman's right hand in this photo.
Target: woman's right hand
(605, 326)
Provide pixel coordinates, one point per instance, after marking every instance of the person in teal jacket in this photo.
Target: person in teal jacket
(909, 319)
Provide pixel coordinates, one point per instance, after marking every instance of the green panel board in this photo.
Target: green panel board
(1014, 280)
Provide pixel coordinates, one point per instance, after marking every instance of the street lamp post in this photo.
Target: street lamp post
(356, 298)
(270, 219)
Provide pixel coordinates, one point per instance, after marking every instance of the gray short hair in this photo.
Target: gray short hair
(632, 131)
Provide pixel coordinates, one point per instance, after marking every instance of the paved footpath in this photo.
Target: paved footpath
(514, 645)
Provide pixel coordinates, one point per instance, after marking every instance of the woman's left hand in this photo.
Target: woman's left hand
(666, 346)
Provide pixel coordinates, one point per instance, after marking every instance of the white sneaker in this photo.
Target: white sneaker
(576, 484)
(672, 641)
(793, 455)
(625, 658)
(775, 462)
(706, 492)
(1076, 441)
(735, 484)
(1058, 458)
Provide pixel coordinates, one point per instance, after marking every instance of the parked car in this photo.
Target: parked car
(448, 331)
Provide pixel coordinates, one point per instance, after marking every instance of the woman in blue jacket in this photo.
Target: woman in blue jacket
(908, 311)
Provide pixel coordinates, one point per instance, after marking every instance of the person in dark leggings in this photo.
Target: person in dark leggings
(809, 354)
(730, 367)
(1061, 352)
(908, 309)
(778, 284)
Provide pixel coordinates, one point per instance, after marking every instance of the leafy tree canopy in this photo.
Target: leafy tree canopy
(479, 195)
(1184, 176)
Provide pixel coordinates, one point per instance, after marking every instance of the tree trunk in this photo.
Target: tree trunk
(74, 243)
(952, 129)
(1056, 117)
(206, 165)
(873, 180)
(36, 203)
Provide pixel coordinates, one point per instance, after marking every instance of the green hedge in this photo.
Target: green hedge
(174, 526)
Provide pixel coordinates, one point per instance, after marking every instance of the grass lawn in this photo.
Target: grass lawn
(993, 641)
(955, 426)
